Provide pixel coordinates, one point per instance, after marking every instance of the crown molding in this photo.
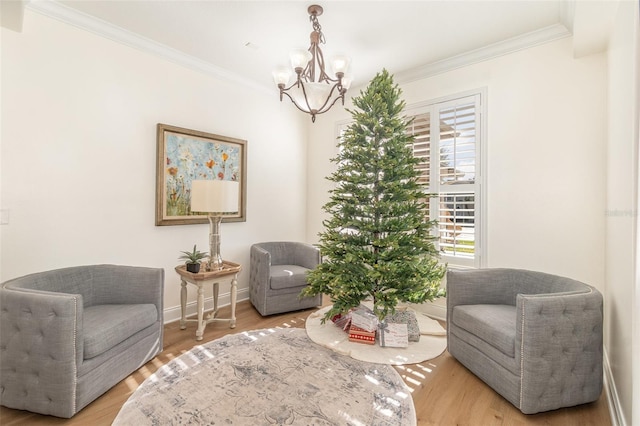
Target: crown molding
(84, 21)
(525, 41)
(71, 16)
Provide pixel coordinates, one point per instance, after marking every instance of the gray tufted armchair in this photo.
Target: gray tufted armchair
(69, 335)
(535, 338)
(278, 273)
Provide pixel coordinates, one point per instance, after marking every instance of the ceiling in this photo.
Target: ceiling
(248, 39)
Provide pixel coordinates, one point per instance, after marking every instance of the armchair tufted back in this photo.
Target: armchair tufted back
(68, 281)
(97, 284)
(503, 285)
(290, 253)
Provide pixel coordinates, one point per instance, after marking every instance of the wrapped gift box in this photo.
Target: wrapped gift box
(343, 321)
(409, 318)
(361, 317)
(364, 318)
(393, 335)
(357, 334)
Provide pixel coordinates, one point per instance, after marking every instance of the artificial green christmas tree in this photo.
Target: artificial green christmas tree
(377, 243)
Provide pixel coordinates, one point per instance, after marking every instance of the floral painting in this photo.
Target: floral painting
(187, 155)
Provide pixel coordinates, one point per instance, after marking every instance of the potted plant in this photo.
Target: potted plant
(192, 259)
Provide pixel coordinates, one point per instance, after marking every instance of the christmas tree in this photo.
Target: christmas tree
(377, 243)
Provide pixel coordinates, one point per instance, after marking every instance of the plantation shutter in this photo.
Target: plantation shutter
(422, 145)
(447, 140)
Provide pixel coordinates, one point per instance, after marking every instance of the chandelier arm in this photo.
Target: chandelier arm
(329, 107)
(294, 84)
(306, 100)
(340, 96)
(324, 108)
(320, 58)
(310, 70)
(295, 103)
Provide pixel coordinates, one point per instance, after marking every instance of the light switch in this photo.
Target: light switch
(4, 216)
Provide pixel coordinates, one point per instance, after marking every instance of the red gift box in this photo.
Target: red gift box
(342, 321)
(359, 335)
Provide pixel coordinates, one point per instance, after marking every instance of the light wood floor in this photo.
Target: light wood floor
(444, 392)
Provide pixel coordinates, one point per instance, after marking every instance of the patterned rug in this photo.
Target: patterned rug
(269, 377)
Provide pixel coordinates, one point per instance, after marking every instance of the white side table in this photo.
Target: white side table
(228, 274)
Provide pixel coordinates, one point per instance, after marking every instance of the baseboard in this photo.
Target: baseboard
(173, 314)
(615, 411)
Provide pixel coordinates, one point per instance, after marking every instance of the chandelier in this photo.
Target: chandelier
(313, 91)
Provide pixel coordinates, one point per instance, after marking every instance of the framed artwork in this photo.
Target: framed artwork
(185, 155)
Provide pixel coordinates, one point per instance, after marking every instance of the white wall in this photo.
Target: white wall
(79, 115)
(622, 168)
(546, 150)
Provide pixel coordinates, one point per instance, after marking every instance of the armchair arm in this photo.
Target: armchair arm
(41, 348)
(559, 345)
(260, 264)
(306, 255)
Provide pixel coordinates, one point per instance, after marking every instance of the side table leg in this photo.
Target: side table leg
(234, 294)
(216, 291)
(183, 305)
(201, 323)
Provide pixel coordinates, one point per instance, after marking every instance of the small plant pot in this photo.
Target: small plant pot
(194, 268)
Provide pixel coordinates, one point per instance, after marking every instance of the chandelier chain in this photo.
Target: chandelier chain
(317, 28)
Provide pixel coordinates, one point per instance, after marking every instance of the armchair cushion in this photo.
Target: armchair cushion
(288, 276)
(491, 323)
(107, 325)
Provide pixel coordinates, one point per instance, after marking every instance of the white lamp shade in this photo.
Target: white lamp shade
(215, 196)
(300, 58)
(340, 63)
(346, 81)
(281, 75)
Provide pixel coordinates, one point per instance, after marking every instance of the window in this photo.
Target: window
(448, 140)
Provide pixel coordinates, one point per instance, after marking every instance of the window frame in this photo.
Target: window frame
(479, 96)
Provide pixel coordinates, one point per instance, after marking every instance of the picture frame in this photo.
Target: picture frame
(184, 155)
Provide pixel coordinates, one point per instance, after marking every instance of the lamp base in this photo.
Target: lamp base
(215, 258)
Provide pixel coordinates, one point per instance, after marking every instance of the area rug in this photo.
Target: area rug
(269, 377)
(433, 342)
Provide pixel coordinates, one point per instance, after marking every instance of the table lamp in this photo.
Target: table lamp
(217, 198)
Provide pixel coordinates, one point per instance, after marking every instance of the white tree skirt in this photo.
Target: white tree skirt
(433, 341)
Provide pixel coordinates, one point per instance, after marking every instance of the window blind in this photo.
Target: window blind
(447, 140)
